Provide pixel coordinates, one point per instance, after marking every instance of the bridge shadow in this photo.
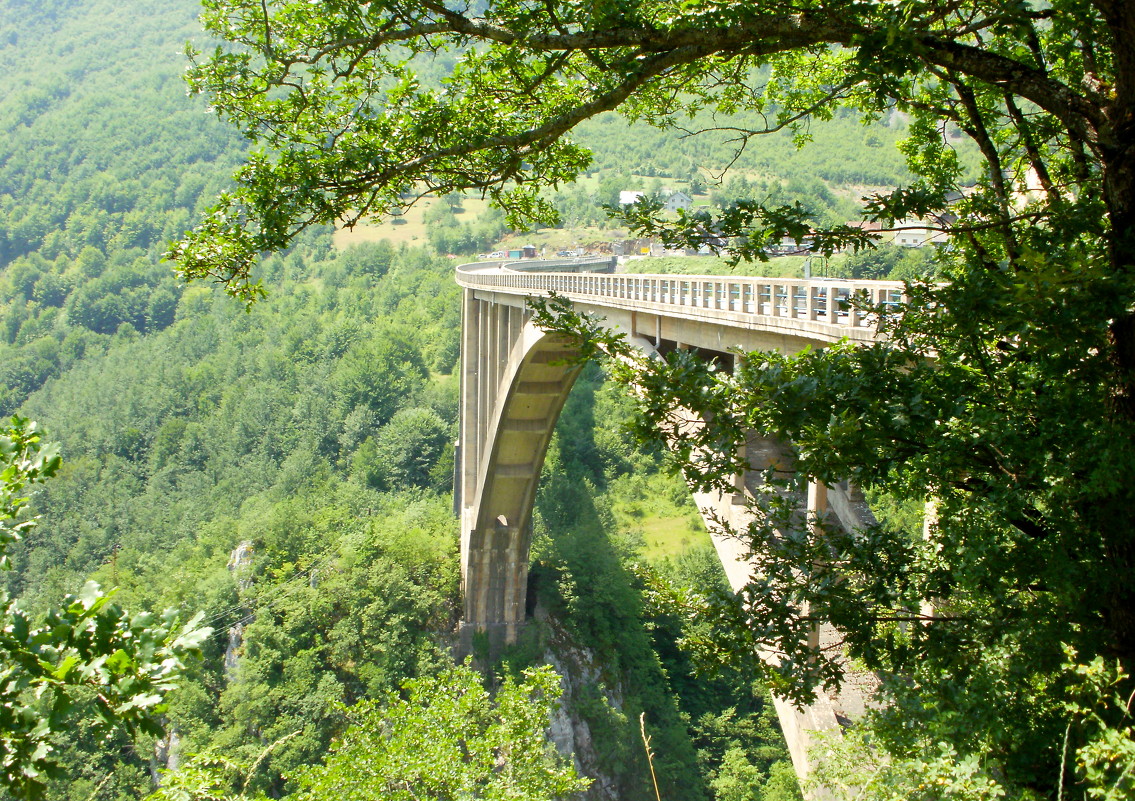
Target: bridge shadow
(589, 608)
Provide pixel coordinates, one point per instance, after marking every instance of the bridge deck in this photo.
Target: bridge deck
(819, 310)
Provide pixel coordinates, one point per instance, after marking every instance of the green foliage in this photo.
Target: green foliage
(26, 461)
(100, 170)
(379, 373)
(1105, 760)
(1099, 766)
(589, 573)
(294, 183)
(408, 448)
(226, 427)
(978, 698)
(213, 427)
(89, 655)
(367, 258)
(1006, 394)
(203, 777)
(785, 266)
(208, 777)
(449, 738)
(750, 228)
(581, 571)
(732, 722)
(446, 737)
(888, 262)
(854, 767)
(193, 428)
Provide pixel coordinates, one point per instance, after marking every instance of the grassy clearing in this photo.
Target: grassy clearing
(660, 509)
(412, 228)
(669, 536)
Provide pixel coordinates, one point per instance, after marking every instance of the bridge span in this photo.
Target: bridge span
(515, 379)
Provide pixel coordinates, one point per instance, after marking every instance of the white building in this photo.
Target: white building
(678, 200)
(916, 233)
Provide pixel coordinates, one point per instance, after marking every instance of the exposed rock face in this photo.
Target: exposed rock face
(569, 732)
(236, 639)
(239, 562)
(167, 755)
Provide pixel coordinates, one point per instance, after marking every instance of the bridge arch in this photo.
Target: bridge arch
(501, 462)
(502, 473)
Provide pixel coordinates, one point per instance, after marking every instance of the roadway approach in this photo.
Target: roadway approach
(516, 377)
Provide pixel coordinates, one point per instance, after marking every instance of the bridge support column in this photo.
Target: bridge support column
(496, 584)
(772, 454)
(515, 379)
(817, 510)
(740, 496)
(769, 453)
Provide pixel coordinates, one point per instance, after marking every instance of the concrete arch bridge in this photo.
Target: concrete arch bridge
(515, 380)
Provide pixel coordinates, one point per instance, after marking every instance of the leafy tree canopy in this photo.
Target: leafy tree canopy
(451, 739)
(447, 738)
(331, 94)
(89, 654)
(1007, 393)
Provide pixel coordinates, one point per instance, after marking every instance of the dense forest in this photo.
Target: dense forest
(287, 470)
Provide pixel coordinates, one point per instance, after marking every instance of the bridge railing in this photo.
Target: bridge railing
(832, 301)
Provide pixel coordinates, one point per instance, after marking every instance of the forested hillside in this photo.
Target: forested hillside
(102, 159)
(313, 435)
